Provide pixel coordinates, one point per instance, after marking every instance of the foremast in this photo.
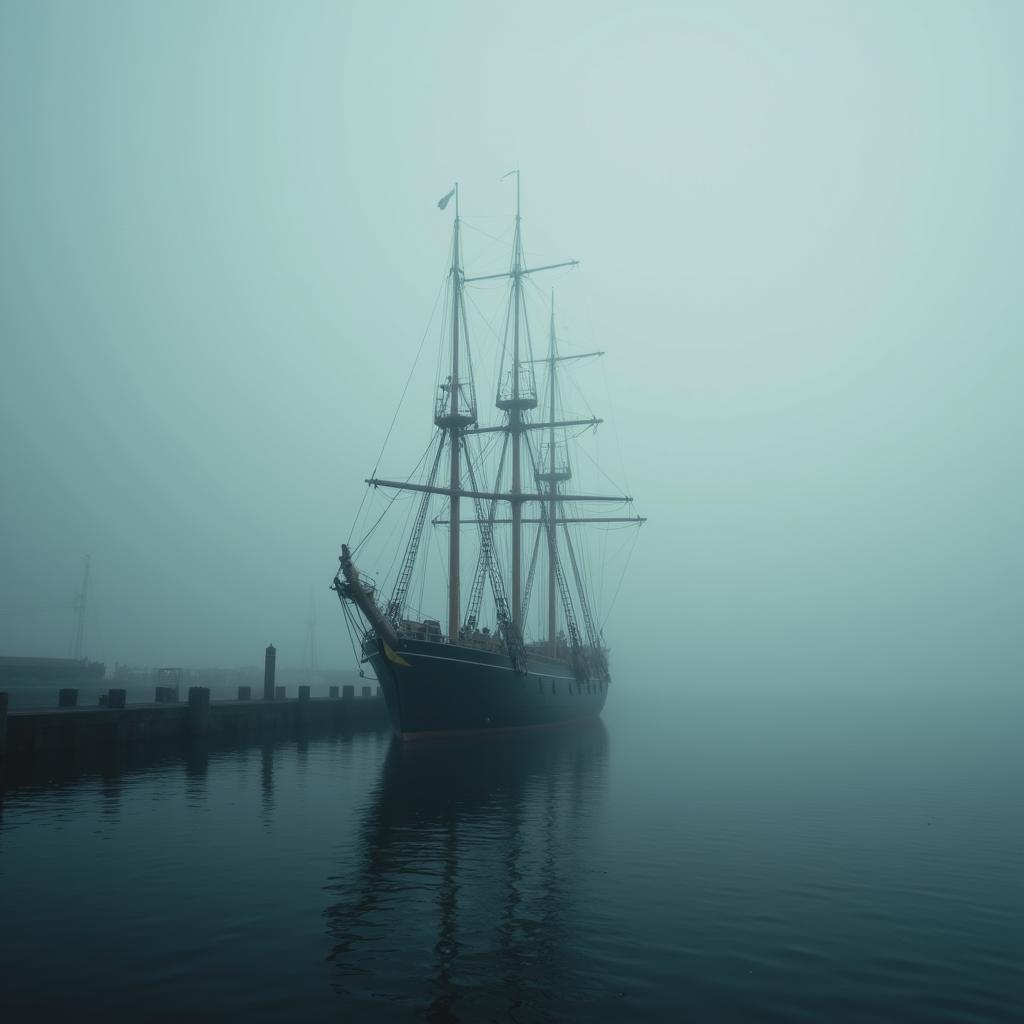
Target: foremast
(453, 419)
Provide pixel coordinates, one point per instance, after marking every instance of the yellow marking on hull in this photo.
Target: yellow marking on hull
(393, 657)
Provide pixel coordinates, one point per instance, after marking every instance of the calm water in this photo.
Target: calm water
(712, 861)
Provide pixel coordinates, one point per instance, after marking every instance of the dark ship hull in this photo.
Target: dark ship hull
(435, 689)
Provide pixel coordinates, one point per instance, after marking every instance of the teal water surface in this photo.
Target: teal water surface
(707, 860)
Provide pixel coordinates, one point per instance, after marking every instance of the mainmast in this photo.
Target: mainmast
(453, 419)
(515, 420)
(516, 401)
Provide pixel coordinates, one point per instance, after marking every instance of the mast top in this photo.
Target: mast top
(515, 171)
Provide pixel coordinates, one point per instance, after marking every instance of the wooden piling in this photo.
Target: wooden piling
(198, 710)
(269, 672)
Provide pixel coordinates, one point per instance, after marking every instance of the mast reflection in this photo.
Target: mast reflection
(467, 878)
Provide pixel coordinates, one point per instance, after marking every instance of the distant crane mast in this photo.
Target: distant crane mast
(310, 651)
(81, 599)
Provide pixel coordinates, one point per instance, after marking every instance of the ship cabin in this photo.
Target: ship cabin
(427, 629)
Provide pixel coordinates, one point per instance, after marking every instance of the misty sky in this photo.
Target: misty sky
(799, 226)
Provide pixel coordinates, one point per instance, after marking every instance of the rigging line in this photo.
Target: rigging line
(370, 487)
(486, 250)
(369, 532)
(469, 354)
(487, 323)
(622, 577)
(386, 578)
(591, 460)
(405, 390)
(480, 231)
(480, 460)
(528, 591)
(583, 397)
(351, 639)
(401, 588)
(509, 313)
(615, 433)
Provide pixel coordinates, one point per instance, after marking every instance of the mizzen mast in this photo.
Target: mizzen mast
(552, 475)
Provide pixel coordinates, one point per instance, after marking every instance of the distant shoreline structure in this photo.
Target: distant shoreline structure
(49, 670)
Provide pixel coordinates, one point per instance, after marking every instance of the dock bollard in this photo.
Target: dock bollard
(116, 698)
(333, 691)
(3, 723)
(366, 691)
(269, 671)
(198, 710)
(348, 692)
(245, 693)
(279, 692)
(303, 693)
(67, 698)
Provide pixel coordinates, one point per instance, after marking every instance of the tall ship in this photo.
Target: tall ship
(502, 494)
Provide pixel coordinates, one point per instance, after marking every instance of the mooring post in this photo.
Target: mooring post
(304, 693)
(348, 692)
(269, 670)
(198, 710)
(116, 697)
(334, 692)
(3, 723)
(366, 691)
(245, 693)
(279, 692)
(67, 698)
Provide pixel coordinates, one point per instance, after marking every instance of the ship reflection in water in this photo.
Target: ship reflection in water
(466, 891)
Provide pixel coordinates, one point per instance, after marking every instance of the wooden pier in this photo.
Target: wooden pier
(37, 733)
